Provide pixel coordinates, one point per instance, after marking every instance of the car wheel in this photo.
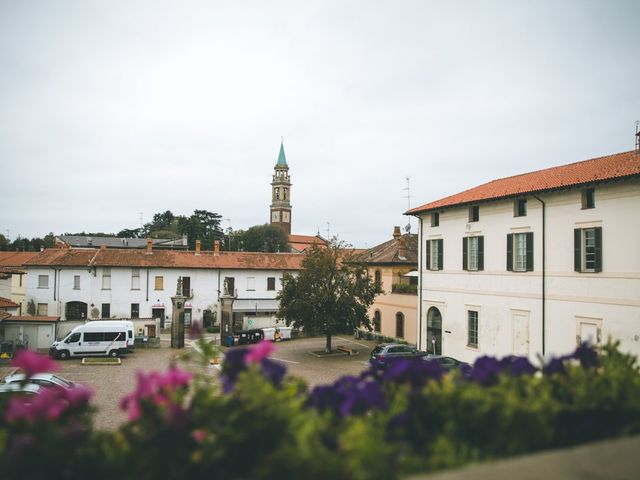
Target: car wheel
(113, 353)
(63, 355)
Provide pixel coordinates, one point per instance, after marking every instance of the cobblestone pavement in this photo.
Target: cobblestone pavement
(110, 383)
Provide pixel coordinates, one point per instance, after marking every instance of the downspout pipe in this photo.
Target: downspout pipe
(544, 264)
(420, 242)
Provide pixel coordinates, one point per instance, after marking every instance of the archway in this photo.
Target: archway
(434, 331)
(76, 311)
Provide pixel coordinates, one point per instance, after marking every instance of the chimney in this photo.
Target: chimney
(216, 247)
(185, 240)
(396, 233)
(197, 247)
(402, 249)
(149, 245)
(637, 142)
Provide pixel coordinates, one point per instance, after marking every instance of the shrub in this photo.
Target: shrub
(259, 423)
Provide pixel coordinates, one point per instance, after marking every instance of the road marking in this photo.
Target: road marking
(282, 360)
(357, 343)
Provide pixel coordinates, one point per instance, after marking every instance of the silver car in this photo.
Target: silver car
(43, 379)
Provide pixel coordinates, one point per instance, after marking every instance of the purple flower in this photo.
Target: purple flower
(273, 371)
(195, 331)
(517, 365)
(587, 355)
(31, 362)
(555, 365)
(348, 396)
(413, 371)
(486, 370)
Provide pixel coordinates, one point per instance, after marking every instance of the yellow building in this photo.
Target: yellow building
(393, 264)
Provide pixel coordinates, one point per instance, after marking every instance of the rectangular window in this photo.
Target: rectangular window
(434, 254)
(472, 330)
(474, 213)
(251, 283)
(43, 281)
(186, 286)
(473, 253)
(520, 207)
(159, 282)
(135, 279)
(271, 283)
(93, 337)
(588, 198)
(43, 309)
(520, 252)
(435, 219)
(76, 282)
(106, 278)
(135, 310)
(106, 310)
(588, 249)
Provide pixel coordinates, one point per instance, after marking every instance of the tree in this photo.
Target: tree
(331, 294)
(4, 244)
(261, 238)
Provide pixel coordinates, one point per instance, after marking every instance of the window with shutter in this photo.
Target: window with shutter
(587, 255)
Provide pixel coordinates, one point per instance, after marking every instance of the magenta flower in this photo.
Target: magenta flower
(157, 388)
(259, 351)
(199, 435)
(195, 331)
(31, 362)
(50, 403)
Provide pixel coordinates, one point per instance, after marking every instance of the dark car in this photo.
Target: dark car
(447, 363)
(385, 353)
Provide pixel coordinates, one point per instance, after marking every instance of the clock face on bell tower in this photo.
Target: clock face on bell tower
(281, 194)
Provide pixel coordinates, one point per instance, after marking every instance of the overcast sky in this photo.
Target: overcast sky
(112, 108)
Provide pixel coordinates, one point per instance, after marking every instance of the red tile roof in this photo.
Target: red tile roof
(27, 318)
(4, 315)
(15, 259)
(6, 303)
(167, 259)
(611, 167)
(302, 242)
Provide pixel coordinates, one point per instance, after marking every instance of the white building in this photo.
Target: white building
(117, 283)
(534, 263)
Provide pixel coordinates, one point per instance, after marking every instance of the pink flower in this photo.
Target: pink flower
(259, 351)
(50, 403)
(157, 388)
(199, 435)
(31, 362)
(195, 331)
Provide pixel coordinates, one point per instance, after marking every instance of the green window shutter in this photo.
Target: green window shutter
(465, 261)
(440, 253)
(529, 251)
(598, 232)
(510, 252)
(577, 249)
(428, 254)
(480, 253)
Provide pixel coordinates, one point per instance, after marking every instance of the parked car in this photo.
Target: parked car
(385, 353)
(26, 389)
(43, 379)
(447, 363)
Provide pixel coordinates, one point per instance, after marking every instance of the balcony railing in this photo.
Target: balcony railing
(404, 288)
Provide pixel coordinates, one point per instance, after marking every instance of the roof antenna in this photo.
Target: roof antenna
(638, 136)
(407, 228)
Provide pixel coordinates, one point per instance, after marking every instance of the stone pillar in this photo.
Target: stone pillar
(226, 319)
(177, 322)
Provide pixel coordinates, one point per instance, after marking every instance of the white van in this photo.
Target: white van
(98, 338)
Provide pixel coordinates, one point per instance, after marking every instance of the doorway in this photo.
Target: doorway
(434, 331)
(76, 311)
(158, 313)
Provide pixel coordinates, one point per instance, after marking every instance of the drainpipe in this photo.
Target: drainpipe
(543, 272)
(147, 298)
(420, 242)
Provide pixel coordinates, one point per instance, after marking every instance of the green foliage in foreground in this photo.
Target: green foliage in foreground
(260, 430)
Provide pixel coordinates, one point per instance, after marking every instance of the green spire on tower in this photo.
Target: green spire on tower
(281, 158)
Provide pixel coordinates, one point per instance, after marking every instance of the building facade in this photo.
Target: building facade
(393, 265)
(78, 284)
(533, 264)
(13, 277)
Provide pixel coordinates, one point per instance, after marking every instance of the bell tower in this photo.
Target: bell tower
(281, 194)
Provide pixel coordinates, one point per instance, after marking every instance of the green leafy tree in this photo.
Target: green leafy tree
(4, 244)
(260, 238)
(331, 294)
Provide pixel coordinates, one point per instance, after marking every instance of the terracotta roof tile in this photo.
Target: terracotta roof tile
(596, 170)
(7, 303)
(167, 259)
(389, 252)
(15, 259)
(4, 315)
(302, 242)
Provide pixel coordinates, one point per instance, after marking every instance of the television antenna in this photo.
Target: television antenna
(407, 228)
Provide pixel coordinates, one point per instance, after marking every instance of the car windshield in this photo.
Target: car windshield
(377, 349)
(61, 381)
